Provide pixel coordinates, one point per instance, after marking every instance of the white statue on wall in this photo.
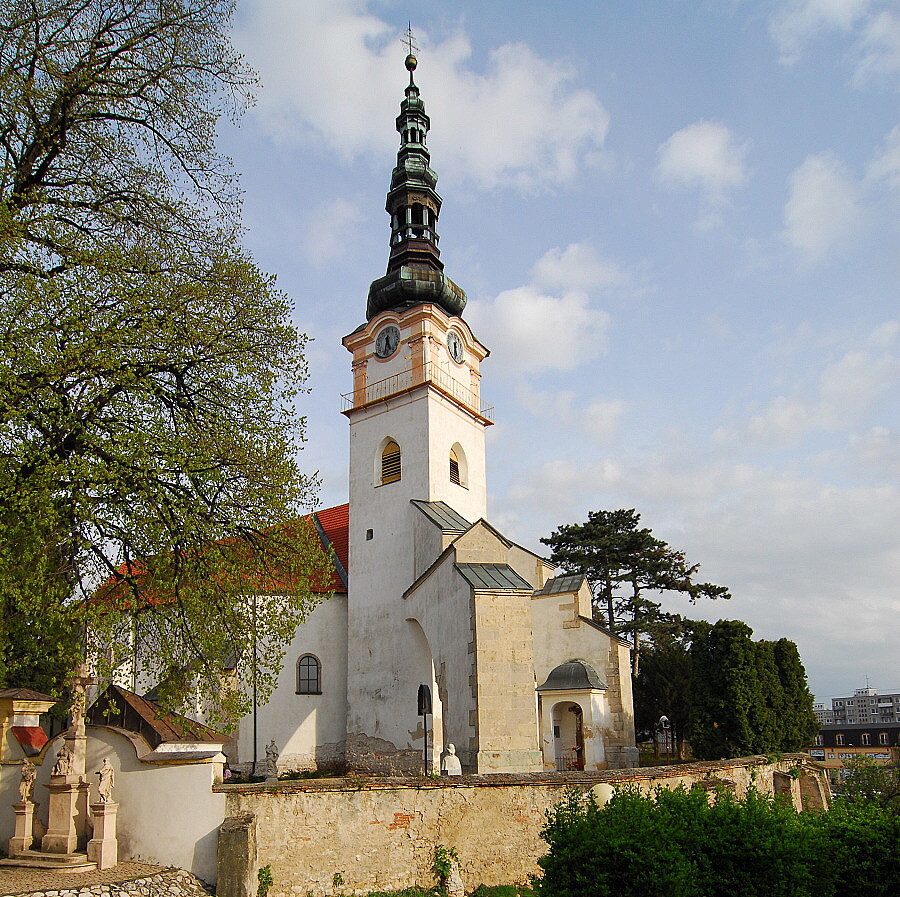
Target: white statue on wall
(26, 786)
(272, 759)
(450, 765)
(107, 780)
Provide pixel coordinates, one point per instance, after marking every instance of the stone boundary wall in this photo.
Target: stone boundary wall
(380, 833)
(170, 883)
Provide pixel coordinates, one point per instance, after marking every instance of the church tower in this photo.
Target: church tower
(417, 448)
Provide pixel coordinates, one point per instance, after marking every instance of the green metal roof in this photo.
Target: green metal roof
(493, 576)
(560, 585)
(441, 514)
(571, 676)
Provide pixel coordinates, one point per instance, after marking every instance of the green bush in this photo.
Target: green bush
(675, 843)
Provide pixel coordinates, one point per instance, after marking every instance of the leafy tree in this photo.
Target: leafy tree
(799, 724)
(870, 782)
(663, 685)
(724, 688)
(148, 369)
(748, 697)
(616, 554)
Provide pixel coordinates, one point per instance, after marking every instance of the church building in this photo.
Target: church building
(432, 605)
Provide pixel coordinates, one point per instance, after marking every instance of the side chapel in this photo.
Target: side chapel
(427, 592)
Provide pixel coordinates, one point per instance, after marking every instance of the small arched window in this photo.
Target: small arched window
(390, 463)
(882, 737)
(839, 740)
(454, 467)
(866, 739)
(309, 675)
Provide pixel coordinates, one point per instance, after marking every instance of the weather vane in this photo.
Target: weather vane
(411, 46)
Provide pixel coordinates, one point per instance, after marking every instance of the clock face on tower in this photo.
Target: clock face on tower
(387, 341)
(454, 346)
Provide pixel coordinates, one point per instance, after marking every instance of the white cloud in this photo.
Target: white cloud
(552, 405)
(600, 420)
(329, 230)
(705, 155)
(878, 49)
(822, 210)
(521, 121)
(549, 323)
(847, 390)
(577, 267)
(878, 450)
(873, 26)
(886, 165)
(529, 329)
(799, 21)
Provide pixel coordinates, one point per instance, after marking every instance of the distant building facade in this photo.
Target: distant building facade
(865, 723)
(864, 707)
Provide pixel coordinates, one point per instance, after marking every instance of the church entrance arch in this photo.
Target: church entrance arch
(568, 735)
(422, 662)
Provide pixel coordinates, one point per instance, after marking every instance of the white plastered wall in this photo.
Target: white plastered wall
(309, 730)
(442, 606)
(168, 814)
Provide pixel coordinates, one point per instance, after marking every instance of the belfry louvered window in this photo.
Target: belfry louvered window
(390, 463)
(454, 468)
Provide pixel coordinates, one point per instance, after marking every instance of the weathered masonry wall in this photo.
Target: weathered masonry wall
(380, 834)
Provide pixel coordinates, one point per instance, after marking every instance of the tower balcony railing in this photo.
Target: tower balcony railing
(411, 377)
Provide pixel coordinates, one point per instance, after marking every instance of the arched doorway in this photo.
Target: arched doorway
(568, 735)
(423, 662)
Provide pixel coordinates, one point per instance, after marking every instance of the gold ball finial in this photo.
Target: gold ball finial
(411, 63)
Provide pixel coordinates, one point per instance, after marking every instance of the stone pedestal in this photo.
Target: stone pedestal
(103, 849)
(23, 839)
(68, 819)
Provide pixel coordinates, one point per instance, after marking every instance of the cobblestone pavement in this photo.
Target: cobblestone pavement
(26, 881)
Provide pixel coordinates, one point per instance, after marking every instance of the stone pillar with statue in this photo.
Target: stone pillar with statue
(67, 826)
(103, 848)
(25, 809)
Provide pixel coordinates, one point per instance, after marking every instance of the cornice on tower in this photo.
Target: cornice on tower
(415, 272)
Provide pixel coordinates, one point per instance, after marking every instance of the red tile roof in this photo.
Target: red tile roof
(31, 738)
(334, 526)
(331, 524)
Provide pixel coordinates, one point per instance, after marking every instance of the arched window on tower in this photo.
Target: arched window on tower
(459, 472)
(309, 675)
(390, 463)
(454, 468)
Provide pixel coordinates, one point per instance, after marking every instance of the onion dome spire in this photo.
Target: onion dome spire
(415, 272)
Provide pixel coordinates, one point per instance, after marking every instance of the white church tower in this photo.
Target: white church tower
(416, 440)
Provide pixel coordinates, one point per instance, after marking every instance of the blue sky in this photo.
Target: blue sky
(677, 224)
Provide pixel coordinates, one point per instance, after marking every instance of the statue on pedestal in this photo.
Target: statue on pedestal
(107, 780)
(272, 760)
(26, 786)
(64, 759)
(79, 682)
(450, 765)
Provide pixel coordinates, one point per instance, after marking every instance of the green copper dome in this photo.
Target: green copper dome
(415, 272)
